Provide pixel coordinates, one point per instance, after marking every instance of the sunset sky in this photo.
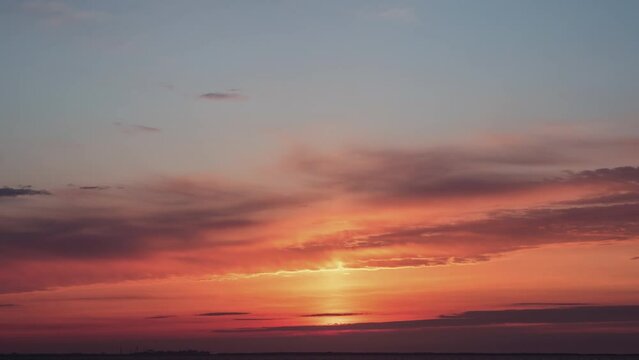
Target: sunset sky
(250, 176)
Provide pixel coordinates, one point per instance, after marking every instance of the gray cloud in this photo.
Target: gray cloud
(21, 191)
(94, 187)
(170, 220)
(597, 219)
(136, 129)
(467, 171)
(223, 95)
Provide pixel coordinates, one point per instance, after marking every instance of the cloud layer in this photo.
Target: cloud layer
(625, 314)
(455, 205)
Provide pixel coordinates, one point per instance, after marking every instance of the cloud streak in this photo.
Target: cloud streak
(222, 96)
(136, 129)
(563, 315)
(160, 317)
(224, 313)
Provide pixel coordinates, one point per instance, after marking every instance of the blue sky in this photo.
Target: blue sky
(323, 74)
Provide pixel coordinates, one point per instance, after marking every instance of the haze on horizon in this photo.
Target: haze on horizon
(251, 176)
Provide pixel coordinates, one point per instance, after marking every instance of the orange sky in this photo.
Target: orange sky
(403, 242)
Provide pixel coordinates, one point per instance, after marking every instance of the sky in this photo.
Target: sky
(256, 176)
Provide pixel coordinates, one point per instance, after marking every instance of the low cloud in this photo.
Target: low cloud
(94, 187)
(526, 304)
(224, 313)
(562, 315)
(21, 191)
(159, 317)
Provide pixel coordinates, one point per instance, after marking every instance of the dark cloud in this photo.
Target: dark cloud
(104, 298)
(169, 220)
(94, 187)
(635, 258)
(404, 175)
(100, 237)
(501, 231)
(158, 317)
(255, 319)
(223, 95)
(525, 304)
(480, 339)
(465, 171)
(224, 313)
(8, 305)
(332, 314)
(135, 129)
(178, 219)
(561, 315)
(614, 198)
(21, 191)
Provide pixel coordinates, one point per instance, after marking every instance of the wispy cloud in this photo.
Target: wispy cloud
(136, 129)
(159, 317)
(232, 94)
(58, 13)
(398, 14)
